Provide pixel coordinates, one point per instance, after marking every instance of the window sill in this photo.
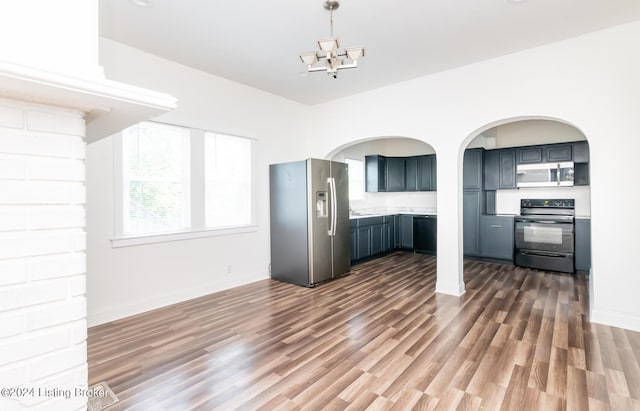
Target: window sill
(180, 235)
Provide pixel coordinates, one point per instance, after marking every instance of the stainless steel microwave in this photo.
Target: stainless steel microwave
(545, 174)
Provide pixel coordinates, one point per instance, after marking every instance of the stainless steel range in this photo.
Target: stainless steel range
(544, 234)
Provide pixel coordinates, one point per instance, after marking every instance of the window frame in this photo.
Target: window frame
(361, 189)
(197, 189)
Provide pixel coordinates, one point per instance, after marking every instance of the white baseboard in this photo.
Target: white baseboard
(615, 319)
(456, 290)
(158, 301)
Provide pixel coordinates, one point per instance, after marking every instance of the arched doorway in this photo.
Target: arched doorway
(493, 187)
(393, 178)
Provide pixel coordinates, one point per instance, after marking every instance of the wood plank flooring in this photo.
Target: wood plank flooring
(378, 339)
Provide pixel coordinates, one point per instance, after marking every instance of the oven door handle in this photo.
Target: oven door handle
(543, 221)
(543, 254)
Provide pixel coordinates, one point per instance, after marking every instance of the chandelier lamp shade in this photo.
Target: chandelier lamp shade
(331, 58)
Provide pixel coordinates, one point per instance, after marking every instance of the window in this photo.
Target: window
(228, 180)
(156, 178)
(176, 182)
(356, 178)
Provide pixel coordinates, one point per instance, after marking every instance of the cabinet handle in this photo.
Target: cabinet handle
(496, 226)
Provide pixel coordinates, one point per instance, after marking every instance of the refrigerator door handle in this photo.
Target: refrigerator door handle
(333, 205)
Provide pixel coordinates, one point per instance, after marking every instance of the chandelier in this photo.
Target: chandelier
(330, 58)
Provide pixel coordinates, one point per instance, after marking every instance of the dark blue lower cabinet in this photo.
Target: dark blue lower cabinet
(363, 242)
(583, 244)
(406, 232)
(353, 241)
(425, 234)
(496, 237)
(377, 241)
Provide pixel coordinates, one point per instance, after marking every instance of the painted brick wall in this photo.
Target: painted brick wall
(42, 257)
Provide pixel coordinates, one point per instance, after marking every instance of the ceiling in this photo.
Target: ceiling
(257, 42)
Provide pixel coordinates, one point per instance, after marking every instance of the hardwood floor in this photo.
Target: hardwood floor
(380, 338)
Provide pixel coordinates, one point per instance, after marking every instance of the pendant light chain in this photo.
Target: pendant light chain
(331, 18)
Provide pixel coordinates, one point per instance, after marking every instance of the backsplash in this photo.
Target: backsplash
(508, 201)
(404, 202)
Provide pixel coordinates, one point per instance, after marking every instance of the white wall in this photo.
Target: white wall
(61, 37)
(42, 255)
(129, 280)
(529, 133)
(590, 82)
(532, 132)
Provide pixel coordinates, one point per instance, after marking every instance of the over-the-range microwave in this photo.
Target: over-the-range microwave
(545, 174)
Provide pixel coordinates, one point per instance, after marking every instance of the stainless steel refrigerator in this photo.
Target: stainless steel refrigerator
(309, 221)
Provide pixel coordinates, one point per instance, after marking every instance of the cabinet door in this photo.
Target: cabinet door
(411, 171)
(491, 169)
(583, 244)
(507, 169)
(377, 239)
(425, 234)
(472, 169)
(530, 155)
(499, 169)
(396, 232)
(387, 236)
(581, 174)
(389, 233)
(395, 174)
(558, 152)
(426, 173)
(375, 173)
(353, 241)
(496, 237)
(581, 152)
(364, 242)
(471, 221)
(434, 172)
(432, 234)
(406, 231)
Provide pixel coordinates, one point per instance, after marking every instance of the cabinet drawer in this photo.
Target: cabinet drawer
(367, 221)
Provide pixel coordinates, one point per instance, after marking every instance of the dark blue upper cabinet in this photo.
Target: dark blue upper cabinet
(549, 153)
(492, 170)
(472, 169)
(427, 173)
(530, 155)
(558, 152)
(411, 174)
(580, 152)
(376, 171)
(395, 174)
(499, 169)
(392, 174)
(507, 168)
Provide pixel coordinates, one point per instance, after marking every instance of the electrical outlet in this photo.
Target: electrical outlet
(229, 269)
(269, 268)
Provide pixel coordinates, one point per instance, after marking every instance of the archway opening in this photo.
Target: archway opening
(393, 180)
(495, 183)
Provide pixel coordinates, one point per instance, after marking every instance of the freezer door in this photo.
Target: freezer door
(341, 244)
(289, 229)
(319, 172)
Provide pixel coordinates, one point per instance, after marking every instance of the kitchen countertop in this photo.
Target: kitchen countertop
(381, 213)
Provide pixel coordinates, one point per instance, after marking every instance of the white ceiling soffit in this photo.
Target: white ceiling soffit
(257, 42)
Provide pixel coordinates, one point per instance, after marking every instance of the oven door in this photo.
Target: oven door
(544, 235)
